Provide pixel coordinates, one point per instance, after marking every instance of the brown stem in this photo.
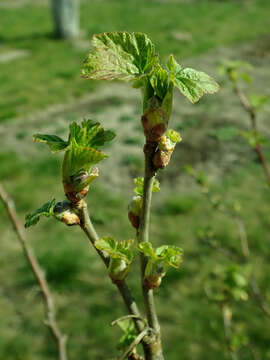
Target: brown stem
(39, 275)
(155, 348)
(122, 286)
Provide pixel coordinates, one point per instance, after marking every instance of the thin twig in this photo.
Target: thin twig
(39, 275)
(253, 120)
(124, 290)
(143, 236)
(245, 254)
(130, 316)
(134, 343)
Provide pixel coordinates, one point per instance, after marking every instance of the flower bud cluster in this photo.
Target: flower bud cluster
(165, 149)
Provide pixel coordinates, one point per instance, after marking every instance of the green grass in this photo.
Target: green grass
(79, 281)
(50, 74)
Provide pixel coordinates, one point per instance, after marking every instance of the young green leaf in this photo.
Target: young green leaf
(172, 255)
(147, 249)
(44, 210)
(116, 250)
(139, 186)
(130, 333)
(160, 81)
(79, 159)
(193, 84)
(54, 142)
(90, 134)
(119, 55)
(174, 136)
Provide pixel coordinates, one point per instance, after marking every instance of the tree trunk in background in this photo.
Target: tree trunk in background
(66, 18)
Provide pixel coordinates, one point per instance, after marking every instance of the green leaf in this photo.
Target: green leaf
(193, 84)
(90, 134)
(172, 64)
(139, 185)
(119, 55)
(54, 142)
(79, 159)
(117, 250)
(147, 249)
(160, 81)
(172, 255)
(130, 333)
(44, 210)
(174, 136)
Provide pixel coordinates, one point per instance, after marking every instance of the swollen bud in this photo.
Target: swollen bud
(134, 211)
(165, 149)
(152, 282)
(155, 123)
(118, 269)
(78, 185)
(64, 212)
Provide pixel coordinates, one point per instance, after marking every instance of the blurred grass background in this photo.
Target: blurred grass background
(43, 91)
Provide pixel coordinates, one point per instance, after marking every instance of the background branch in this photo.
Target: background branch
(253, 120)
(39, 276)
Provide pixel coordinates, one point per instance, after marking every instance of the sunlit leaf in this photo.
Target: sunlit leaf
(193, 84)
(90, 134)
(44, 210)
(119, 55)
(54, 142)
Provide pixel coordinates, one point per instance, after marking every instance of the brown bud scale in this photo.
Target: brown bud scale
(161, 159)
(134, 219)
(152, 282)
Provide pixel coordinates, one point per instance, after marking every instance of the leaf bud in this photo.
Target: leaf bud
(161, 159)
(152, 282)
(118, 269)
(78, 185)
(134, 211)
(64, 212)
(155, 123)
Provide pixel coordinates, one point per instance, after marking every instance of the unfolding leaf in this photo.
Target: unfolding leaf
(147, 249)
(193, 84)
(139, 185)
(174, 136)
(54, 142)
(160, 81)
(119, 55)
(44, 210)
(90, 134)
(80, 158)
(130, 333)
(117, 250)
(172, 255)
